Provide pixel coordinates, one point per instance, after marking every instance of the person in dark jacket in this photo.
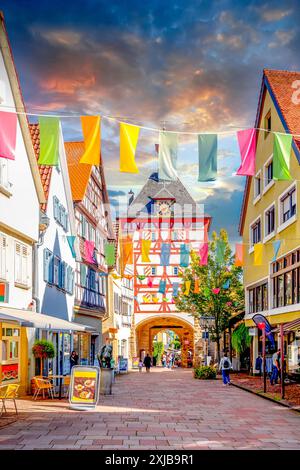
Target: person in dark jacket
(73, 359)
(147, 363)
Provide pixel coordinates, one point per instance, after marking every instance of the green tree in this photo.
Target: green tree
(158, 347)
(219, 273)
(240, 338)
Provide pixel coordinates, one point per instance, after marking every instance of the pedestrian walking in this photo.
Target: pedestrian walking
(147, 363)
(73, 359)
(140, 366)
(275, 367)
(225, 366)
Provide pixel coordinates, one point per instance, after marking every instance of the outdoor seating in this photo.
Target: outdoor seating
(66, 385)
(42, 385)
(9, 392)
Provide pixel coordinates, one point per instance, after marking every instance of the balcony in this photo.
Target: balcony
(89, 299)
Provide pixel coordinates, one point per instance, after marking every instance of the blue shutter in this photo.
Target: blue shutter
(48, 266)
(71, 281)
(62, 275)
(83, 275)
(55, 208)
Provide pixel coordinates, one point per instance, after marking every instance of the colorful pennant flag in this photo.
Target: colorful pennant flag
(203, 253)
(226, 284)
(258, 252)
(167, 156)
(187, 287)
(126, 253)
(8, 134)
(110, 253)
(239, 254)
(146, 245)
(162, 286)
(165, 254)
(49, 140)
(216, 290)
(220, 251)
(2, 292)
(207, 155)
(276, 246)
(129, 135)
(89, 251)
(149, 282)
(71, 240)
(197, 286)
(281, 156)
(91, 134)
(247, 143)
(184, 255)
(155, 299)
(175, 288)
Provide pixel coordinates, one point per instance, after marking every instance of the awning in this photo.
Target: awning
(39, 320)
(290, 326)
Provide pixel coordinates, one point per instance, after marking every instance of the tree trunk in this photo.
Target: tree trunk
(218, 349)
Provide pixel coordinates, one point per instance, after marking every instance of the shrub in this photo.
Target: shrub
(41, 350)
(205, 373)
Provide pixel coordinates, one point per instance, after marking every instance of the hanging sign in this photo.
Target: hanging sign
(84, 387)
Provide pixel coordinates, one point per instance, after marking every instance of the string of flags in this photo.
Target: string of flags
(167, 148)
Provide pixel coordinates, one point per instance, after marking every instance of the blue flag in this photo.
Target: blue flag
(276, 246)
(71, 240)
(162, 287)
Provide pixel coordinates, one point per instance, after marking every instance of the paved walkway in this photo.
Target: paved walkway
(161, 410)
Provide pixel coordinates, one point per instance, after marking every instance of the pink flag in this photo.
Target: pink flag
(89, 251)
(247, 144)
(149, 282)
(8, 135)
(203, 252)
(216, 290)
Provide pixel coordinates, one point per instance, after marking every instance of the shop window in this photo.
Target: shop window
(10, 353)
(258, 298)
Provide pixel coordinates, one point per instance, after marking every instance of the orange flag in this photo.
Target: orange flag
(91, 134)
(196, 287)
(126, 253)
(239, 254)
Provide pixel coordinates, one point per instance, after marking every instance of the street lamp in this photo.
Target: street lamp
(204, 324)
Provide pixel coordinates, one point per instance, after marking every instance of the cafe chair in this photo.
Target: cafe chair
(42, 385)
(9, 392)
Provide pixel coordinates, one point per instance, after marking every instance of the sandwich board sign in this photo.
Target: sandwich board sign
(84, 387)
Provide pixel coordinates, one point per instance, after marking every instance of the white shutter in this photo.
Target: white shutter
(18, 270)
(24, 265)
(3, 243)
(3, 172)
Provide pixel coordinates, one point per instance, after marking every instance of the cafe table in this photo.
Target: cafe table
(60, 378)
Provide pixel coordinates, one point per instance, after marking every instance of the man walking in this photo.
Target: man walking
(147, 363)
(275, 367)
(225, 366)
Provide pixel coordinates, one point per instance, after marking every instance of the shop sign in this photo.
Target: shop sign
(84, 387)
(135, 362)
(10, 372)
(123, 364)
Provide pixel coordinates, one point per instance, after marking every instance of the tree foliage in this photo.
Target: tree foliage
(217, 274)
(240, 338)
(158, 348)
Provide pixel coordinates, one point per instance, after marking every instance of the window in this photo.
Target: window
(3, 244)
(175, 270)
(153, 270)
(268, 173)
(21, 264)
(258, 298)
(268, 123)
(60, 213)
(286, 277)
(270, 221)
(255, 232)
(153, 236)
(57, 272)
(288, 205)
(257, 185)
(10, 353)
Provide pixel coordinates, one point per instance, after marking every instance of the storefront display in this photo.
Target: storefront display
(10, 353)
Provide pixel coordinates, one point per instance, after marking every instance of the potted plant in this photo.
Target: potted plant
(43, 349)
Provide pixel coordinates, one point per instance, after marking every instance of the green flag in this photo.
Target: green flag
(220, 252)
(207, 154)
(167, 156)
(49, 138)
(281, 156)
(109, 253)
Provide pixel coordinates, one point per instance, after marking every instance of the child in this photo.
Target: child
(141, 366)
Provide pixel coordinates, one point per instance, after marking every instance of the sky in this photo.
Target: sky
(189, 66)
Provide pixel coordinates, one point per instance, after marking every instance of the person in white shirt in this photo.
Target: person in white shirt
(225, 366)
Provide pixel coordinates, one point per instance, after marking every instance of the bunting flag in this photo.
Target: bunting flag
(167, 156)
(126, 253)
(226, 284)
(197, 286)
(8, 134)
(145, 299)
(110, 253)
(149, 282)
(207, 155)
(116, 276)
(2, 292)
(91, 134)
(184, 255)
(165, 254)
(162, 286)
(71, 240)
(281, 156)
(220, 251)
(128, 141)
(155, 299)
(258, 251)
(276, 246)
(175, 288)
(216, 290)
(89, 251)
(141, 277)
(203, 253)
(146, 245)
(187, 287)
(49, 140)
(247, 143)
(165, 299)
(239, 254)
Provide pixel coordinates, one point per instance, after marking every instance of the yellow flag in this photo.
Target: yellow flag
(91, 134)
(258, 251)
(187, 287)
(146, 244)
(128, 140)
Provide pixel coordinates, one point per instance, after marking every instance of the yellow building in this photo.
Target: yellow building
(269, 213)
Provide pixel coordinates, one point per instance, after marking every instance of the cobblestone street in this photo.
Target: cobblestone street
(161, 410)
